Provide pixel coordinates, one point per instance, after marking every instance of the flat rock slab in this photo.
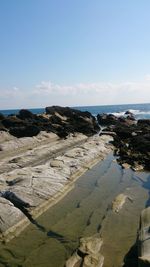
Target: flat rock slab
(42, 185)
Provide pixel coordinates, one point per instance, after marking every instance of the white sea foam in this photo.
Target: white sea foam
(136, 112)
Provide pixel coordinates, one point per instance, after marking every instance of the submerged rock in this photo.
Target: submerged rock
(118, 202)
(88, 254)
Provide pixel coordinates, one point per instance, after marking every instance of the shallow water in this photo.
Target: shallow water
(86, 210)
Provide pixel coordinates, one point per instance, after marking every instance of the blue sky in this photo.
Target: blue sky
(74, 52)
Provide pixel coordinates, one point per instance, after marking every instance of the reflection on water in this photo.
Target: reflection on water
(86, 210)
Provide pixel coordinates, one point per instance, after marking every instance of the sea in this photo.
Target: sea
(140, 111)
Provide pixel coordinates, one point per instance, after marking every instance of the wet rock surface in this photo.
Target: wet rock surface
(88, 254)
(118, 202)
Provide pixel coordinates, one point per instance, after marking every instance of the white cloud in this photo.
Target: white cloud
(147, 77)
(102, 93)
(11, 92)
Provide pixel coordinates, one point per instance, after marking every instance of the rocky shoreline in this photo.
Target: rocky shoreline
(37, 171)
(131, 140)
(41, 156)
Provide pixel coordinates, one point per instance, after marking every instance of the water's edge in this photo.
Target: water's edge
(84, 211)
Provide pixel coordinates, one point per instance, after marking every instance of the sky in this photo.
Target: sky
(74, 52)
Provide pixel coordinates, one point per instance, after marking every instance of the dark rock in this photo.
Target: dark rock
(143, 122)
(131, 117)
(56, 120)
(107, 119)
(2, 117)
(60, 120)
(2, 127)
(112, 120)
(66, 111)
(18, 202)
(12, 121)
(74, 120)
(26, 114)
(61, 132)
(25, 131)
(128, 112)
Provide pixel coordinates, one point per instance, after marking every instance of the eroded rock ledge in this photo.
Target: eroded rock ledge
(26, 192)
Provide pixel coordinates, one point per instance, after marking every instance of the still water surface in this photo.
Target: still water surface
(85, 210)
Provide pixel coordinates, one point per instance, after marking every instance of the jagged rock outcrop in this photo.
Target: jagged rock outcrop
(25, 114)
(59, 120)
(110, 119)
(107, 119)
(73, 120)
(131, 139)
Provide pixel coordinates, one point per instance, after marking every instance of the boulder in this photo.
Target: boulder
(66, 111)
(72, 120)
(128, 112)
(26, 114)
(88, 254)
(26, 131)
(107, 119)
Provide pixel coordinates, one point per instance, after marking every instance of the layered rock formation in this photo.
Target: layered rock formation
(38, 171)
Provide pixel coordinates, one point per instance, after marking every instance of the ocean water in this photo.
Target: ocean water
(141, 111)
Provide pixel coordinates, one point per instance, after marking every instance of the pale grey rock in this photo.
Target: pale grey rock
(118, 202)
(74, 261)
(94, 260)
(90, 249)
(41, 184)
(9, 215)
(57, 163)
(144, 238)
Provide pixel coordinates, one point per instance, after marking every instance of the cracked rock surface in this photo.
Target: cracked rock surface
(42, 174)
